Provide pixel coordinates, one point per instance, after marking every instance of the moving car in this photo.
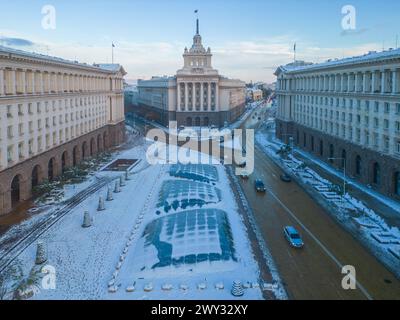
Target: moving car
(259, 185)
(286, 178)
(292, 235)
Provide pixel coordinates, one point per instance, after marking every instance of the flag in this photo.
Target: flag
(195, 11)
(113, 45)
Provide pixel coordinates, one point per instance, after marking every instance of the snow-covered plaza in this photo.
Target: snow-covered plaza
(172, 232)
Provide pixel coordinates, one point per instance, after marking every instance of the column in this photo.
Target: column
(23, 81)
(1, 82)
(178, 97)
(383, 81)
(348, 82)
(216, 96)
(186, 96)
(49, 82)
(394, 81)
(193, 96)
(61, 88)
(209, 96)
(201, 96)
(365, 82)
(373, 84)
(13, 82)
(33, 81)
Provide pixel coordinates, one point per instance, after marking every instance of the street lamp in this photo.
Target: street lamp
(344, 173)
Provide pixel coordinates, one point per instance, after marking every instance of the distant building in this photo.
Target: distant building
(254, 94)
(53, 114)
(347, 112)
(196, 96)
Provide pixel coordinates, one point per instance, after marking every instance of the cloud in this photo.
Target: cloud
(18, 42)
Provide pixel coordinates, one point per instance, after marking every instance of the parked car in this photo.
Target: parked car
(259, 185)
(293, 237)
(285, 177)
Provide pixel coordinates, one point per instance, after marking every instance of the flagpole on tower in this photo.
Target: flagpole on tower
(197, 20)
(294, 52)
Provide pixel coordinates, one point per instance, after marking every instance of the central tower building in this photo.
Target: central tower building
(196, 96)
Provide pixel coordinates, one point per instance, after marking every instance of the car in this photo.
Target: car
(285, 177)
(259, 185)
(293, 237)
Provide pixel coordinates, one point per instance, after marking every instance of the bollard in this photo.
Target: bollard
(87, 220)
(41, 253)
(101, 206)
(117, 188)
(109, 195)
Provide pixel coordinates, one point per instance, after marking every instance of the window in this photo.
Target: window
(9, 111)
(376, 122)
(397, 183)
(387, 107)
(358, 165)
(376, 107)
(10, 134)
(10, 151)
(376, 174)
(386, 124)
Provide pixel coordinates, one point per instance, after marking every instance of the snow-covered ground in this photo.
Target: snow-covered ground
(136, 249)
(382, 239)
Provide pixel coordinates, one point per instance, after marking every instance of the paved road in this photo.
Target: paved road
(313, 272)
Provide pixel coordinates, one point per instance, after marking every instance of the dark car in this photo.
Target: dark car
(293, 237)
(259, 185)
(286, 178)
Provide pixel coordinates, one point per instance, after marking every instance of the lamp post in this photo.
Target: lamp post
(344, 173)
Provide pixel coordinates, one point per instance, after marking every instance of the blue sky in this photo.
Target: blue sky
(248, 38)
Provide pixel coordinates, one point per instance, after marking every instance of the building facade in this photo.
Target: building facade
(53, 114)
(254, 94)
(347, 112)
(196, 96)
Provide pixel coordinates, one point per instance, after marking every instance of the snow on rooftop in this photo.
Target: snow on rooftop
(372, 55)
(10, 51)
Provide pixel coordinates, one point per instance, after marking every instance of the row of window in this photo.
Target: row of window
(17, 152)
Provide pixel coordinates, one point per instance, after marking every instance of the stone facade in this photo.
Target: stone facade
(197, 95)
(53, 113)
(348, 110)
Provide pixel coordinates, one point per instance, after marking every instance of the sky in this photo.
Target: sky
(249, 39)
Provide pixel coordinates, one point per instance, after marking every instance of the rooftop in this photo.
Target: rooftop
(300, 66)
(10, 52)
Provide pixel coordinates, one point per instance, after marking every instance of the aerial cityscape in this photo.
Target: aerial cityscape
(199, 150)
